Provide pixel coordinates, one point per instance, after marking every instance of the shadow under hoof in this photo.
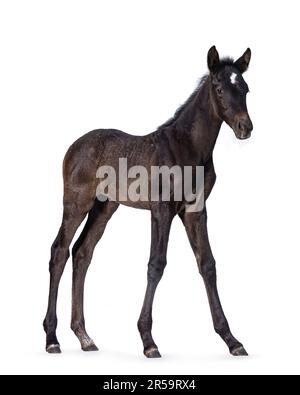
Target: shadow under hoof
(53, 349)
(152, 353)
(239, 351)
(90, 347)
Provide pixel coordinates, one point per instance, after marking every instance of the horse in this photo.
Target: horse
(186, 139)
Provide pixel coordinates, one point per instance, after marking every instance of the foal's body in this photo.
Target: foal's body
(187, 139)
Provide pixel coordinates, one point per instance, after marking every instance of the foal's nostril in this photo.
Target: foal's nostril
(244, 125)
(240, 126)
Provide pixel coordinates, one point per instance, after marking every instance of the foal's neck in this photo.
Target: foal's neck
(205, 126)
(196, 124)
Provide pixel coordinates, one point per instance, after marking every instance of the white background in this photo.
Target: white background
(68, 67)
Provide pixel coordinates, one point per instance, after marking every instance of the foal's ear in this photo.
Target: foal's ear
(243, 62)
(213, 59)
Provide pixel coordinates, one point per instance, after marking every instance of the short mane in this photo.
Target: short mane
(185, 106)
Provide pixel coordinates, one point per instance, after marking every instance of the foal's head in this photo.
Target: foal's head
(229, 90)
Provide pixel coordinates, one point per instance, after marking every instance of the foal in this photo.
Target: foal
(187, 139)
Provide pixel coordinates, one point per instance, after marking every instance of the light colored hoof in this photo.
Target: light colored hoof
(53, 349)
(152, 353)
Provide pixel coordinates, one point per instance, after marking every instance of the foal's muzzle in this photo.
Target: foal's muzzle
(243, 126)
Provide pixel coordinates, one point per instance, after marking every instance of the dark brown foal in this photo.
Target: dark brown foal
(187, 139)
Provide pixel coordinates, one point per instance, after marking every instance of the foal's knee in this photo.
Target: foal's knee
(156, 267)
(59, 255)
(81, 256)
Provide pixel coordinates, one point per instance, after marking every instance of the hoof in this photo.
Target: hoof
(53, 349)
(239, 351)
(90, 347)
(152, 353)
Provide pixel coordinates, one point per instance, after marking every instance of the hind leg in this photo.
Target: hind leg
(59, 257)
(82, 254)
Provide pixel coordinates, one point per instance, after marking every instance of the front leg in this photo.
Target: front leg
(162, 215)
(196, 228)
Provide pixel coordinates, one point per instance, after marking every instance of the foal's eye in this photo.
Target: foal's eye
(219, 91)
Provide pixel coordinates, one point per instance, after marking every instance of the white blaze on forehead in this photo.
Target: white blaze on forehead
(233, 78)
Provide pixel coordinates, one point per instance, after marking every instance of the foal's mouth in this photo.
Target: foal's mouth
(242, 136)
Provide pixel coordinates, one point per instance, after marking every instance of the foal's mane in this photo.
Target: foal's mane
(186, 107)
